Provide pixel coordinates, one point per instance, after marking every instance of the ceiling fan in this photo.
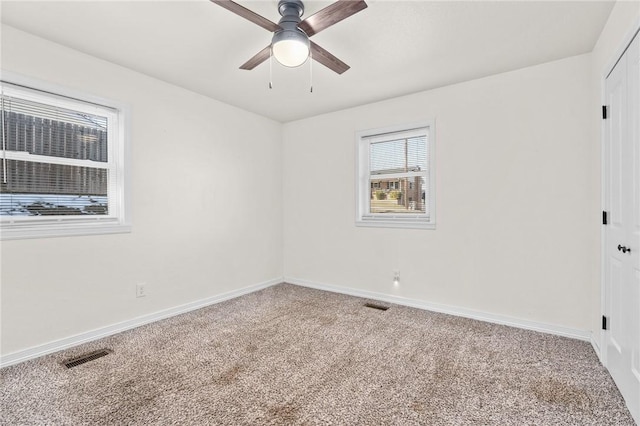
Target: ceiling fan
(290, 44)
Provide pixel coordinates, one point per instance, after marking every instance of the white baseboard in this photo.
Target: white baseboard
(447, 309)
(57, 345)
(596, 347)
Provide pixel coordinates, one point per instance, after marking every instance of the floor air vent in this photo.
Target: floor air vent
(375, 306)
(74, 362)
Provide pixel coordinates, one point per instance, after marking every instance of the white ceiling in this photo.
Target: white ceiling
(393, 47)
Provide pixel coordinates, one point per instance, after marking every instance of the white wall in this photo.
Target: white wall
(515, 198)
(623, 20)
(207, 207)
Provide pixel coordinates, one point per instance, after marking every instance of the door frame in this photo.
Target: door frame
(600, 344)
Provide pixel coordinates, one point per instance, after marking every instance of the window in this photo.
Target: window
(61, 166)
(395, 182)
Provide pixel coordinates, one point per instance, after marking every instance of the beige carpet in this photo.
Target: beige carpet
(291, 355)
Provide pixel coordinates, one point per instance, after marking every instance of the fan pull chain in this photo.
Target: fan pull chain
(270, 68)
(311, 71)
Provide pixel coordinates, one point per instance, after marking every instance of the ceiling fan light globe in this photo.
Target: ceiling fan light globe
(290, 48)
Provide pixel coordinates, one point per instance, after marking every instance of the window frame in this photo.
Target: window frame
(364, 217)
(118, 220)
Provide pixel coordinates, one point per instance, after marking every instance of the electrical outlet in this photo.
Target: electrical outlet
(396, 278)
(141, 290)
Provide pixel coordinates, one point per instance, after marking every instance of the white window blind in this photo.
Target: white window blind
(59, 162)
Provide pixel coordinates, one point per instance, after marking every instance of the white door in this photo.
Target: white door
(622, 233)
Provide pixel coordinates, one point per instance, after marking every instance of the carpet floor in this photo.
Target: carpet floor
(289, 355)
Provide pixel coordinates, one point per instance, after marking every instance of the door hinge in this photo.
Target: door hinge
(604, 322)
(604, 112)
(604, 217)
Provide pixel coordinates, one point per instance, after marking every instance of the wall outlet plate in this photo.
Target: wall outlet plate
(141, 290)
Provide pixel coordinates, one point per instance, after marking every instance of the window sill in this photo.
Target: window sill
(395, 223)
(21, 233)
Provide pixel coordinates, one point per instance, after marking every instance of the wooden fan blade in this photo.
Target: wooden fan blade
(247, 14)
(330, 15)
(257, 59)
(327, 59)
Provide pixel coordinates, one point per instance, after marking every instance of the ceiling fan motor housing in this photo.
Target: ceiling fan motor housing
(291, 11)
